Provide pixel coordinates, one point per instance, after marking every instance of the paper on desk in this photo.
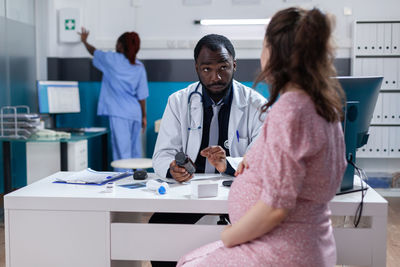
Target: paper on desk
(88, 176)
(95, 129)
(206, 176)
(234, 161)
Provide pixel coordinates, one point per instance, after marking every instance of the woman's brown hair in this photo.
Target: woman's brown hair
(130, 42)
(299, 42)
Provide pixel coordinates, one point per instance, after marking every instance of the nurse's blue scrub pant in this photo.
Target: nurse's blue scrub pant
(125, 138)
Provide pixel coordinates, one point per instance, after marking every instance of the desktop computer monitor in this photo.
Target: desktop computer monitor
(361, 95)
(56, 97)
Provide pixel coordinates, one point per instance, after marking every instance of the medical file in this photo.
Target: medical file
(91, 177)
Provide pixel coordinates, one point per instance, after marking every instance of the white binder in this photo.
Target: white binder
(388, 39)
(373, 142)
(394, 141)
(377, 116)
(385, 108)
(370, 66)
(379, 67)
(396, 108)
(384, 136)
(395, 38)
(390, 74)
(393, 103)
(371, 38)
(357, 70)
(398, 73)
(380, 38)
(397, 141)
(359, 36)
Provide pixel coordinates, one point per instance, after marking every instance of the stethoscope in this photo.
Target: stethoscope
(195, 92)
(190, 128)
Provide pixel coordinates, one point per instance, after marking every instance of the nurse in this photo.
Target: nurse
(123, 93)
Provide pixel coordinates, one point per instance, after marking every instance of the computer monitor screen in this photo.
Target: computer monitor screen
(57, 97)
(365, 91)
(361, 95)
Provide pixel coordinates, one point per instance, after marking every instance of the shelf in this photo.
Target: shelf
(388, 192)
(374, 157)
(389, 91)
(378, 56)
(390, 125)
(377, 21)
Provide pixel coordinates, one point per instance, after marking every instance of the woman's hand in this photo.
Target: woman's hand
(84, 35)
(144, 124)
(242, 166)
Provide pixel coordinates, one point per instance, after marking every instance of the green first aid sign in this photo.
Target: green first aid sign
(69, 24)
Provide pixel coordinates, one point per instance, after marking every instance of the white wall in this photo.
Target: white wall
(167, 30)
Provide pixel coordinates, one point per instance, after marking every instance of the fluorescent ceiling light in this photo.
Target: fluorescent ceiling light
(232, 21)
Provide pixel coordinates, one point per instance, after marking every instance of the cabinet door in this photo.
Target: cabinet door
(58, 238)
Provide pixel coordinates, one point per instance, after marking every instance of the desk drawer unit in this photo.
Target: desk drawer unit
(164, 242)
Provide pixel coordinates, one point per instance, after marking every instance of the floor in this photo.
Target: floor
(393, 236)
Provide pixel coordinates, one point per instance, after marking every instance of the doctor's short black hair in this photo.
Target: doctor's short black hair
(214, 42)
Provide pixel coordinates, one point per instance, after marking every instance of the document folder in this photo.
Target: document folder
(91, 177)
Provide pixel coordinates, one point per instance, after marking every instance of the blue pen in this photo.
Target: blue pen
(237, 135)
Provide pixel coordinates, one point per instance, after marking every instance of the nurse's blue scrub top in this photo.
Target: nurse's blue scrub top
(123, 85)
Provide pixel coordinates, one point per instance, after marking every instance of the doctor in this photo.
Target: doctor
(209, 120)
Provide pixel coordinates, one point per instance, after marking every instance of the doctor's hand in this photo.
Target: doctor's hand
(179, 173)
(216, 156)
(84, 34)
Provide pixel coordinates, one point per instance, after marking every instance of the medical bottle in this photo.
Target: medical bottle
(182, 160)
(160, 188)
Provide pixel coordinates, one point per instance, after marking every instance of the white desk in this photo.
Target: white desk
(48, 224)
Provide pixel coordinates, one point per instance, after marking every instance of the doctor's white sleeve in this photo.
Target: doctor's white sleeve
(169, 140)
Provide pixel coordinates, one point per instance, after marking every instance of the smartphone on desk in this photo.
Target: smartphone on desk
(227, 183)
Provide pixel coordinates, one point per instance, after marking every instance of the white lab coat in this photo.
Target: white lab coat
(174, 135)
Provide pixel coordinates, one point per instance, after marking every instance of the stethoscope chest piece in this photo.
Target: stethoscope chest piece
(226, 144)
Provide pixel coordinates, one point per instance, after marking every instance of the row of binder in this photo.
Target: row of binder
(387, 109)
(389, 68)
(383, 141)
(377, 38)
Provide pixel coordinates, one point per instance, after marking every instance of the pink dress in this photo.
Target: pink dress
(297, 163)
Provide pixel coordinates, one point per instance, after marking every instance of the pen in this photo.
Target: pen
(119, 175)
(237, 135)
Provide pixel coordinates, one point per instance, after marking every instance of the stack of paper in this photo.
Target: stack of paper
(89, 176)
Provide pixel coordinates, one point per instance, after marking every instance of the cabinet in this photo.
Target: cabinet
(43, 158)
(50, 155)
(376, 52)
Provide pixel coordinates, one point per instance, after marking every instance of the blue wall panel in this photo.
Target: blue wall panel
(88, 97)
(156, 102)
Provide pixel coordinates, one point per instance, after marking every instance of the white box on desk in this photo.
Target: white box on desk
(204, 189)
